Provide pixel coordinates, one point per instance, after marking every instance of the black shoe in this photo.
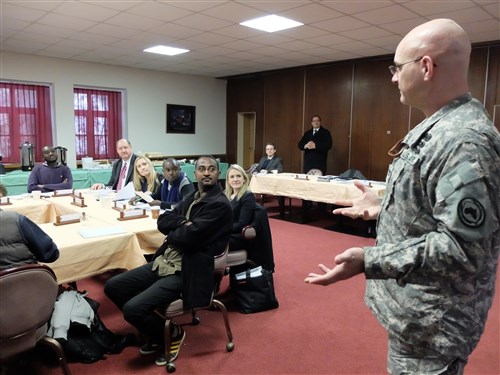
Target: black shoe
(149, 348)
(161, 360)
(175, 348)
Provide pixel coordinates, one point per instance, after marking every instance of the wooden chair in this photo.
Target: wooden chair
(31, 291)
(176, 308)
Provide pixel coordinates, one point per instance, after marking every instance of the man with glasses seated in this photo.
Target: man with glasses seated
(196, 231)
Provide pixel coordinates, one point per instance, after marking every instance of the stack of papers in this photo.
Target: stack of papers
(147, 198)
(254, 272)
(125, 193)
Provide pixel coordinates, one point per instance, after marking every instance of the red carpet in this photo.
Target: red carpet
(316, 330)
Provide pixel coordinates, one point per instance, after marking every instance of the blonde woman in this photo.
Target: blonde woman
(243, 204)
(145, 177)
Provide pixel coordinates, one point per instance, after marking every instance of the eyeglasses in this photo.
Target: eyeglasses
(396, 68)
(211, 169)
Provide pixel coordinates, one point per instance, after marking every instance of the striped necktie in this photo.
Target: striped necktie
(122, 177)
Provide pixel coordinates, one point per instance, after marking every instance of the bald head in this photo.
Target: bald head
(444, 49)
(171, 169)
(443, 39)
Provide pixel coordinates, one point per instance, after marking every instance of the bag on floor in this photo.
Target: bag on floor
(80, 331)
(254, 290)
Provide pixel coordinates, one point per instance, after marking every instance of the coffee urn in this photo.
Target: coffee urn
(27, 156)
(61, 154)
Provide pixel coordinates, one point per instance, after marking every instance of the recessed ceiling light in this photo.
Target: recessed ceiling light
(165, 50)
(271, 23)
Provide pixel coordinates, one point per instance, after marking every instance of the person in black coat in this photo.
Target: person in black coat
(247, 212)
(196, 231)
(316, 142)
(243, 204)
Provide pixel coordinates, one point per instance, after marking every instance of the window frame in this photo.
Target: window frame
(109, 151)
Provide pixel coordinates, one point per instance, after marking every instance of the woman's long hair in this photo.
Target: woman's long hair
(244, 188)
(151, 179)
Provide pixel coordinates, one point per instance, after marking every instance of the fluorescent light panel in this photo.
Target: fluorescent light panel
(271, 23)
(166, 50)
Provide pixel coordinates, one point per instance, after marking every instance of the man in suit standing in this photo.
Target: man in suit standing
(270, 162)
(316, 142)
(123, 169)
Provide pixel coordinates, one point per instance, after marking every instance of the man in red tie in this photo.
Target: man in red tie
(123, 169)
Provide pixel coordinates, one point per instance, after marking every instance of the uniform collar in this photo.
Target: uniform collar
(414, 136)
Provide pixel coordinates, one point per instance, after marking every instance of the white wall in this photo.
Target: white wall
(147, 94)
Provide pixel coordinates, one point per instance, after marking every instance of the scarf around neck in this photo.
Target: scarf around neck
(174, 194)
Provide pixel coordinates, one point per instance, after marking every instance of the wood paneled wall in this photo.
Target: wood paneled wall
(356, 101)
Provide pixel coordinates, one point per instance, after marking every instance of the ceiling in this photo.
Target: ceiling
(116, 31)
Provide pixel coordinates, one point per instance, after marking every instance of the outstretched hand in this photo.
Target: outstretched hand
(366, 207)
(348, 264)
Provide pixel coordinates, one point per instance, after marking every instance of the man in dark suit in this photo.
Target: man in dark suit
(270, 162)
(316, 142)
(123, 169)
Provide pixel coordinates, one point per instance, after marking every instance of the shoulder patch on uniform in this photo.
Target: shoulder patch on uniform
(471, 212)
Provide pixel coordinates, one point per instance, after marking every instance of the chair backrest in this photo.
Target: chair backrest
(352, 174)
(220, 262)
(31, 291)
(248, 232)
(261, 247)
(252, 169)
(315, 172)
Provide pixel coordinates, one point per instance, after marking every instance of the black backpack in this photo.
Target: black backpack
(88, 346)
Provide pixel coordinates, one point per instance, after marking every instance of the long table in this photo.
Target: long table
(84, 257)
(309, 188)
(16, 182)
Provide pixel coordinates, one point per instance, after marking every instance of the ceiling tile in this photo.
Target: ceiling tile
(87, 11)
(116, 32)
(339, 24)
(202, 22)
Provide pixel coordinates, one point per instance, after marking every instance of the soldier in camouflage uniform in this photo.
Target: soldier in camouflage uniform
(431, 275)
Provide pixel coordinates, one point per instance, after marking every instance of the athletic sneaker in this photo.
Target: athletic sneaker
(149, 348)
(175, 347)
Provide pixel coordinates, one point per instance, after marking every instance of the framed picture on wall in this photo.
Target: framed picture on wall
(181, 118)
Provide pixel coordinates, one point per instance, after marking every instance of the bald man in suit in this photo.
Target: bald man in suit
(127, 159)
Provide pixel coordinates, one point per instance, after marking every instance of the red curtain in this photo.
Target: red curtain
(98, 122)
(25, 116)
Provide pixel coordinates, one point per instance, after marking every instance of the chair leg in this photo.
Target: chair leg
(222, 308)
(167, 338)
(61, 357)
(195, 320)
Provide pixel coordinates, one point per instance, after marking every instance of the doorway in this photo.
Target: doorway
(245, 155)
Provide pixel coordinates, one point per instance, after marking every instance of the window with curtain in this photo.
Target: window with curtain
(25, 116)
(98, 122)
